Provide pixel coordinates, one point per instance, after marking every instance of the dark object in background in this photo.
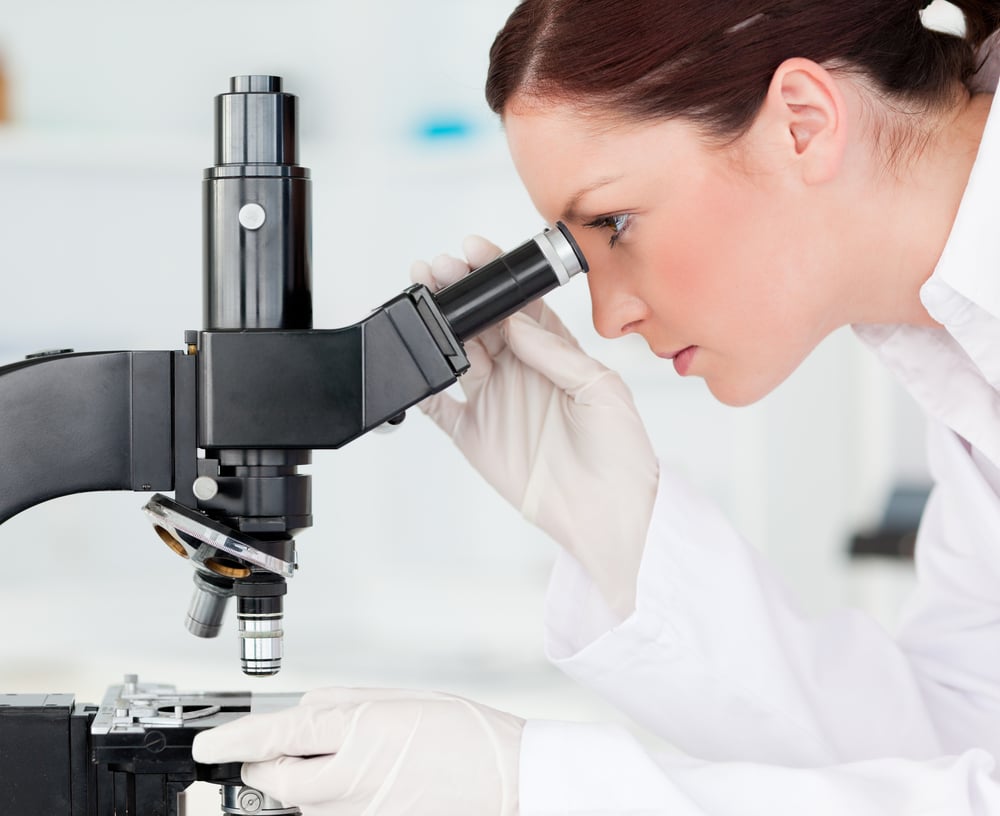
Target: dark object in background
(896, 534)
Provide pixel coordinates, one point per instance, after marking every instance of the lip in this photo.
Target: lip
(681, 358)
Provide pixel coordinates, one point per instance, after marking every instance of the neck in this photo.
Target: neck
(909, 216)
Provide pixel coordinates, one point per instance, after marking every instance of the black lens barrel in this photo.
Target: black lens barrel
(507, 284)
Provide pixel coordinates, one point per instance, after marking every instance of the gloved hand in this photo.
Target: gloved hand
(377, 752)
(555, 432)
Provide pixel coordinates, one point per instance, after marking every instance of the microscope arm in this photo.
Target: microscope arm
(125, 420)
(72, 423)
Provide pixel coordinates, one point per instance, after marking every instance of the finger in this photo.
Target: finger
(535, 309)
(478, 251)
(420, 272)
(481, 362)
(491, 340)
(550, 321)
(447, 270)
(552, 355)
(296, 731)
(343, 695)
(471, 382)
(296, 781)
(445, 410)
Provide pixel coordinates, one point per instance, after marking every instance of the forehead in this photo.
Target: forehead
(559, 151)
(559, 134)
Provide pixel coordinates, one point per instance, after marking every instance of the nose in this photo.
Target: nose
(615, 309)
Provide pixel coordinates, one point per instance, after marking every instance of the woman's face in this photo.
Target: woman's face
(712, 255)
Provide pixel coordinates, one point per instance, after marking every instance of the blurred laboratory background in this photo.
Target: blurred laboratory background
(415, 573)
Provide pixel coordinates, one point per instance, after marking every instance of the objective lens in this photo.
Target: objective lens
(208, 605)
(260, 614)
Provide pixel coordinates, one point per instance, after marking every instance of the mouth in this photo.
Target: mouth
(665, 355)
(681, 358)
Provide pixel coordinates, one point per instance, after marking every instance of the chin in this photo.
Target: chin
(749, 378)
(738, 394)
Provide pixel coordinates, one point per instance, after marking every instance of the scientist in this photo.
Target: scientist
(745, 176)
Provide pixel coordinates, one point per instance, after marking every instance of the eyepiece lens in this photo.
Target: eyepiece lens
(573, 244)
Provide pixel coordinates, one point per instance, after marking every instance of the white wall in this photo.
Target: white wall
(415, 573)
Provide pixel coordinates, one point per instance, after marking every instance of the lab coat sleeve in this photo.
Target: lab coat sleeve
(717, 661)
(580, 768)
(951, 627)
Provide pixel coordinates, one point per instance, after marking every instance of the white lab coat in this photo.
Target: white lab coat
(790, 715)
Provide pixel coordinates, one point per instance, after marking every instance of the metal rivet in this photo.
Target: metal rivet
(205, 488)
(252, 216)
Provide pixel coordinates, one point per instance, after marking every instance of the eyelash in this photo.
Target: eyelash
(617, 223)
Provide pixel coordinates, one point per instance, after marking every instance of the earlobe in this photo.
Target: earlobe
(805, 103)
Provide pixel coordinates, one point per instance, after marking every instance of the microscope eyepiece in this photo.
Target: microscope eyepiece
(508, 283)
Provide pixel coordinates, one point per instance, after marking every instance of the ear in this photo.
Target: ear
(804, 116)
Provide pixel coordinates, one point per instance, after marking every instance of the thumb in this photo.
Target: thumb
(552, 355)
(444, 410)
(296, 731)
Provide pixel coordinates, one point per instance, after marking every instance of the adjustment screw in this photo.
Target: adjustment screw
(250, 800)
(205, 488)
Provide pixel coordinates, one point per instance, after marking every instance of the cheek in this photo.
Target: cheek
(721, 250)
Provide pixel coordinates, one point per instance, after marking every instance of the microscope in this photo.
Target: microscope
(224, 423)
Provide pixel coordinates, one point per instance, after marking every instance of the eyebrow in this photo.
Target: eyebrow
(570, 212)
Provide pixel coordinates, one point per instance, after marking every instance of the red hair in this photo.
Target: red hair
(711, 61)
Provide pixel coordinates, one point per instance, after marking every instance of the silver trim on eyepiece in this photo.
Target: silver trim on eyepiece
(559, 253)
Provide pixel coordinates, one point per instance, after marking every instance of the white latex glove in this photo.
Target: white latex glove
(377, 752)
(555, 432)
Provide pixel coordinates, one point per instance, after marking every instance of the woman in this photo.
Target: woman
(744, 178)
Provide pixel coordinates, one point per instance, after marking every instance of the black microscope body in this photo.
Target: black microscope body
(224, 423)
(130, 755)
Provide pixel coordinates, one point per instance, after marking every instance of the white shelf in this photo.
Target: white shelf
(54, 148)
(157, 152)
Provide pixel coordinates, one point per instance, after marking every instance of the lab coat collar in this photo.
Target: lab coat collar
(941, 375)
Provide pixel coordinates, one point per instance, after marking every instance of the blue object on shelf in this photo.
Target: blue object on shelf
(444, 128)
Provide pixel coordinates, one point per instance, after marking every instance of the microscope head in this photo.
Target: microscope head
(270, 389)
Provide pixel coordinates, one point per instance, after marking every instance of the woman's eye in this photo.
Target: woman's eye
(616, 223)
